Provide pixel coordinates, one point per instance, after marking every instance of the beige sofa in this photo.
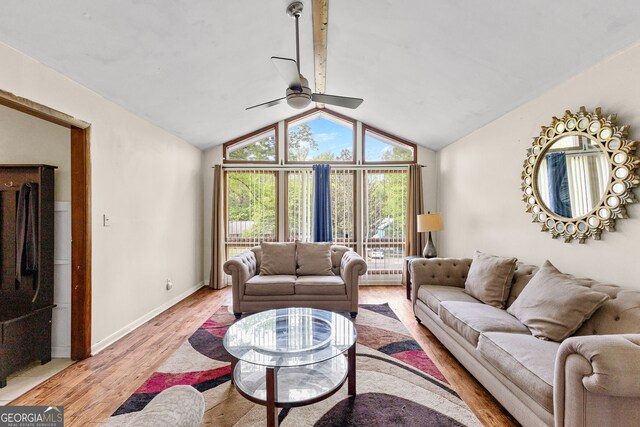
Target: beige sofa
(253, 292)
(590, 379)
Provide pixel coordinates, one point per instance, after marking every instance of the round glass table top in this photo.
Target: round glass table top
(288, 337)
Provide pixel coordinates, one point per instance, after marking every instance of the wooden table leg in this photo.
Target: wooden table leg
(272, 391)
(351, 356)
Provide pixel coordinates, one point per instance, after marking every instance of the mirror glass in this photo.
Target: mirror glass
(573, 175)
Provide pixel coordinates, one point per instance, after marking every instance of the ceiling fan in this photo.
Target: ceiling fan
(298, 93)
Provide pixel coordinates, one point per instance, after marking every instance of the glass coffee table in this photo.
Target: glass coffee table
(291, 357)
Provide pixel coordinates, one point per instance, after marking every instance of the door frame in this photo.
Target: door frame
(80, 216)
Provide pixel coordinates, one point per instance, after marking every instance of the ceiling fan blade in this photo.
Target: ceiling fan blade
(340, 101)
(268, 104)
(288, 69)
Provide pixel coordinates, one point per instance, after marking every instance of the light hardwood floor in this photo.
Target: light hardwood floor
(92, 389)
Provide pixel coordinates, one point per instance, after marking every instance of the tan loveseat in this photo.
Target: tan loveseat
(590, 379)
(253, 292)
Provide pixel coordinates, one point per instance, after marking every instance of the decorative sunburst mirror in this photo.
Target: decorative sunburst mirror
(579, 175)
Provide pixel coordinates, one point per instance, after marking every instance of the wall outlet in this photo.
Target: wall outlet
(169, 284)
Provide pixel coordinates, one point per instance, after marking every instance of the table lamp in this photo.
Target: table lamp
(427, 223)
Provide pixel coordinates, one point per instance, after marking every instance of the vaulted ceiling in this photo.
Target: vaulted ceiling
(429, 71)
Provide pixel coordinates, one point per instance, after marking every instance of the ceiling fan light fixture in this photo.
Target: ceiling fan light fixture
(299, 100)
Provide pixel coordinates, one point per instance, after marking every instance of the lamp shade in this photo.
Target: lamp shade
(429, 222)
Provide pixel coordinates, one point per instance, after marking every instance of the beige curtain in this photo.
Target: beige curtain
(415, 206)
(216, 279)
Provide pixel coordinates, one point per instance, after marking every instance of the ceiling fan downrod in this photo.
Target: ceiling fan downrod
(294, 10)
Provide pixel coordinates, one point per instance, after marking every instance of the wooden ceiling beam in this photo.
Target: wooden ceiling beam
(320, 12)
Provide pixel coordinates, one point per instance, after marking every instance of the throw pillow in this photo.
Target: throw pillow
(554, 305)
(278, 258)
(314, 259)
(489, 278)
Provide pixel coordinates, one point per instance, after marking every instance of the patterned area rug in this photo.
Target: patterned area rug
(397, 383)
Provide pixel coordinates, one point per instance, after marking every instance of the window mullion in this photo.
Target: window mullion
(281, 197)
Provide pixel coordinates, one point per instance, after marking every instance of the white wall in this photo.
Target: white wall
(479, 190)
(146, 180)
(430, 177)
(213, 156)
(25, 139)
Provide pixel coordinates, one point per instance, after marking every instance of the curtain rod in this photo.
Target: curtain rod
(299, 167)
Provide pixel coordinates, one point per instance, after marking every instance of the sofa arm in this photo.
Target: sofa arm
(438, 271)
(180, 405)
(352, 266)
(614, 360)
(603, 368)
(241, 268)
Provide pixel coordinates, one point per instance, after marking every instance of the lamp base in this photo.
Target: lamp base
(430, 249)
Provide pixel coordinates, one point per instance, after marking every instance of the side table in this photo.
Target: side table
(407, 272)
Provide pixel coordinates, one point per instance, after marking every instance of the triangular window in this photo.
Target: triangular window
(320, 137)
(380, 147)
(258, 147)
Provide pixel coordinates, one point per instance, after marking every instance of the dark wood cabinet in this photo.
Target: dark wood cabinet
(26, 277)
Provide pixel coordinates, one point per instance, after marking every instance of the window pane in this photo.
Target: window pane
(386, 211)
(342, 206)
(379, 148)
(251, 207)
(320, 137)
(233, 250)
(260, 148)
(300, 206)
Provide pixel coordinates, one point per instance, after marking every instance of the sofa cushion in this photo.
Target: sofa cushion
(471, 319)
(314, 259)
(278, 258)
(521, 277)
(554, 305)
(433, 295)
(320, 285)
(270, 285)
(525, 360)
(489, 278)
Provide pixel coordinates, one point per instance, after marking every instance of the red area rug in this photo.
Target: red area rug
(398, 384)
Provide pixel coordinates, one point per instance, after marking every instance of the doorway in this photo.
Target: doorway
(80, 344)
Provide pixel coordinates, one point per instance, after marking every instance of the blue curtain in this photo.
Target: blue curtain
(559, 197)
(322, 203)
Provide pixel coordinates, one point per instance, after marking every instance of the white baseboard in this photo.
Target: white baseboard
(101, 345)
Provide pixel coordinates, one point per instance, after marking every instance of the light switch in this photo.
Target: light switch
(106, 221)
